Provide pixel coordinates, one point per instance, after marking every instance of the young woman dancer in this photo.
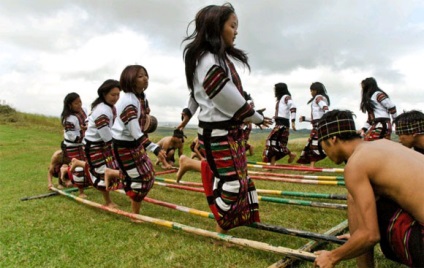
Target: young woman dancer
(320, 103)
(377, 104)
(98, 137)
(216, 88)
(285, 111)
(129, 141)
(73, 119)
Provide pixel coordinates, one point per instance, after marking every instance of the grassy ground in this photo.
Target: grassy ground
(59, 232)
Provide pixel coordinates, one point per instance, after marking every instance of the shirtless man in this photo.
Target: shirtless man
(58, 168)
(385, 183)
(409, 126)
(171, 144)
(195, 152)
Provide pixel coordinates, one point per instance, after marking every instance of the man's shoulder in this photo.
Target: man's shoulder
(165, 139)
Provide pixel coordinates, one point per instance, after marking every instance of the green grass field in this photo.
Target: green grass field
(59, 232)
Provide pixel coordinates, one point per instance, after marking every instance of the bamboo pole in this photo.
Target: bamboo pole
(193, 189)
(303, 202)
(303, 181)
(47, 194)
(307, 256)
(168, 171)
(264, 191)
(297, 176)
(264, 165)
(288, 262)
(256, 225)
(265, 198)
(189, 183)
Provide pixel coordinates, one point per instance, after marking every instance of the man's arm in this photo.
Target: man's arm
(50, 170)
(362, 216)
(50, 176)
(196, 150)
(180, 149)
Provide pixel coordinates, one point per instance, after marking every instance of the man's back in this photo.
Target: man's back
(393, 171)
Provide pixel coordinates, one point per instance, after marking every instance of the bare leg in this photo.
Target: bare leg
(186, 164)
(110, 174)
(76, 163)
(81, 192)
(108, 201)
(220, 230)
(291, 158)
(251, 150)
(272, 161)
(312, 164)
(135, 206)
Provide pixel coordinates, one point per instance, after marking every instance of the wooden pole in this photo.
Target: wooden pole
(256, 225)
(307, 256)
(47, 194)
(266, 198)
(264, 165)
(288, 262)
(303, 181)
(297, 176)
(264, 191)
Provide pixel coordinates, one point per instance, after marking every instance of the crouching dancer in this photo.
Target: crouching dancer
(385, 200)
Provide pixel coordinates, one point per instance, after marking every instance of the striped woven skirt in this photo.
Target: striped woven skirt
(311, 152)
(137, 170)
(401, 236)
(230, 193)
(99, 157)
(381, 129)
(80, 178)
(276, 144)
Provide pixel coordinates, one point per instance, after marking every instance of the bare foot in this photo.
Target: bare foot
(182, 167)
(220, 230)
(68, 183)
(137, 220)
(291, 158)
(59, 186)
(82, 195)
(111, 205)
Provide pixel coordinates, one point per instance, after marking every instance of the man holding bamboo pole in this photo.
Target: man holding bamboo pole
(385, 200)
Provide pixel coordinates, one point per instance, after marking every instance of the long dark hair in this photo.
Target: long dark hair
(67, 111)
(369, 87)
(321, 90)
(103, 90)
(129, 76)
(280, 89)
(206, 37)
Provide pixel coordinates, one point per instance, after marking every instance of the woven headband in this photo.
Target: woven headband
(336, 127)
(407, 127)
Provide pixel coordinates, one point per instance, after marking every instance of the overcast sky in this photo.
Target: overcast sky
(49, 48)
